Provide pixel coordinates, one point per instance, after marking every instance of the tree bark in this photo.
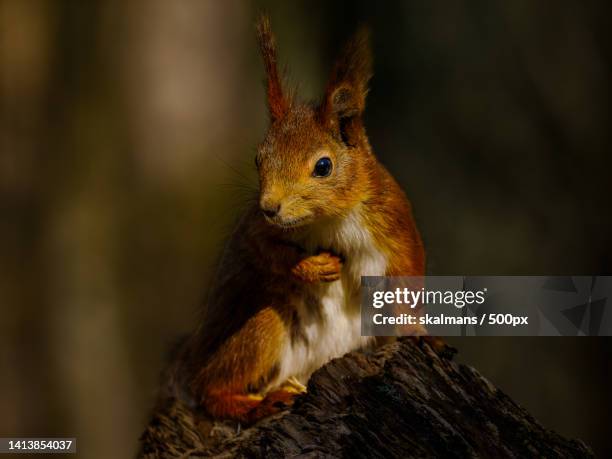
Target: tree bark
(403, 400)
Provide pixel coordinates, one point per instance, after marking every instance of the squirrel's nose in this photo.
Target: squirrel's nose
(270, 209)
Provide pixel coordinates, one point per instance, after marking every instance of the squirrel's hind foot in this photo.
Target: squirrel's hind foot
(275, 402)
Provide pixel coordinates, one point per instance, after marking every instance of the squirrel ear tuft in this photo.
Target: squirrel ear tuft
(348, 86)
(278, 103)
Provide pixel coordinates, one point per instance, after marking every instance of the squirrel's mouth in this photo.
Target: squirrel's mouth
(289, 223)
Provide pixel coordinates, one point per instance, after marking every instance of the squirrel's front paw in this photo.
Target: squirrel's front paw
(323, 267)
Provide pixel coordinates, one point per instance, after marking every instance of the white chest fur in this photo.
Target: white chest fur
(329, 313)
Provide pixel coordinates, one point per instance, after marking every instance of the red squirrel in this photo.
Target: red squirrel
(286, 296)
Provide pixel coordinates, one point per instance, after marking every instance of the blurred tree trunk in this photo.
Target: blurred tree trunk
(68, 361)
(183, 83)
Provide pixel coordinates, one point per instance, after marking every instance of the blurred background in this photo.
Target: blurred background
(127, 135)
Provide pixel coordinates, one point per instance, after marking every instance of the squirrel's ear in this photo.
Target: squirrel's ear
(348, 86)
(278, 102)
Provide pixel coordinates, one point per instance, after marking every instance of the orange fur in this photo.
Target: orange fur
(269, 284)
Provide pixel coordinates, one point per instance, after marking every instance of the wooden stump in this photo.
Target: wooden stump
(402, 400)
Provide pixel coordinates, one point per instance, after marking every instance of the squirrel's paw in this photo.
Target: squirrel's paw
(323, 267)
(274, 402)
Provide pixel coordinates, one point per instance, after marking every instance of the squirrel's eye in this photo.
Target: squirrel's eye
(323, 167)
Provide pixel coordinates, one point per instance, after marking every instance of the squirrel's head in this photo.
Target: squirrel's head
(315, 161)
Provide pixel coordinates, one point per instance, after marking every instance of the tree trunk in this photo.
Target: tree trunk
(402, 400)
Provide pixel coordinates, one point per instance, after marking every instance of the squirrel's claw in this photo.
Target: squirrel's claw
(293, 385)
